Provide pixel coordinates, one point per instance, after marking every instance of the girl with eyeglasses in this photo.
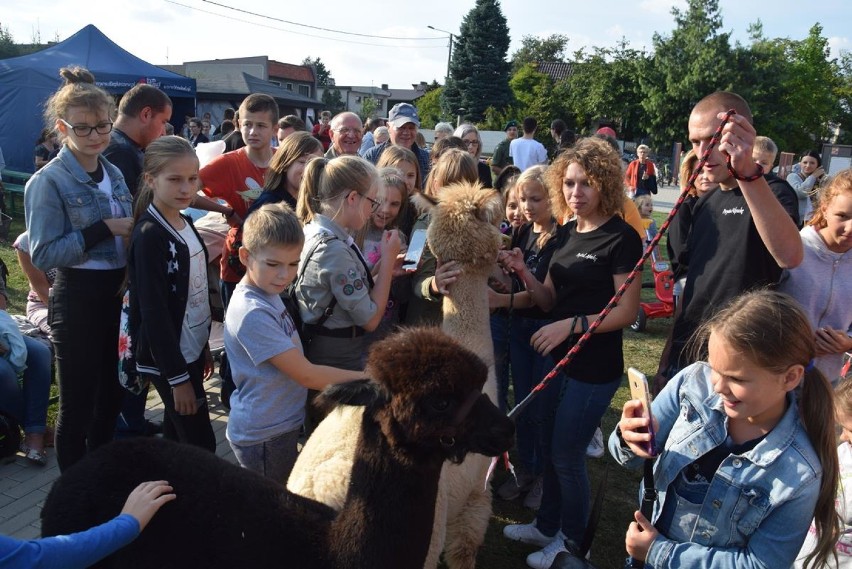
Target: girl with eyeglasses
(339, 299)
(78, 212)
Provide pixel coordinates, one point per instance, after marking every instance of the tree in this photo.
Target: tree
(691, 63)
(8, 48)
(323, 75)
(333, 100)
(369, 106)
(844, 98)
(479, 72)
(429, 108)
(539, 50)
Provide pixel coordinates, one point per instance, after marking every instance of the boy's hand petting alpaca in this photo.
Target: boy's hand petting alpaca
(445, 275)
(640, 535)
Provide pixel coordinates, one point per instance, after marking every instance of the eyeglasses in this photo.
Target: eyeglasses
(345, 130)
(85, 130)
(471, 142)
(374, 204)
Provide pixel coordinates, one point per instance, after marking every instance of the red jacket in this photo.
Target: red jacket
(631, 177)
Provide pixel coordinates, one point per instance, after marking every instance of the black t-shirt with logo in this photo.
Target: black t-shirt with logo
(582, 271)
(726, 258)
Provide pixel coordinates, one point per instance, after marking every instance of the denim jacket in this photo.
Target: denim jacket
(60, 201)
(758, 505)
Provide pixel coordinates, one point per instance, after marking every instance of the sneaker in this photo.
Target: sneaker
(596, 447)
(527, 533)
(544, 559)
(512, 488)
(533, 497)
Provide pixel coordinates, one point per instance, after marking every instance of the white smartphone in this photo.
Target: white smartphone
(415, 250)
(639, 390)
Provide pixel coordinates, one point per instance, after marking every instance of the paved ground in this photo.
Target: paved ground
(24, 486)
(666, 198)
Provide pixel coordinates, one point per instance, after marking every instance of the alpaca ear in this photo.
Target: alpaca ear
(422, 202)
(360, 393)
(489, 207)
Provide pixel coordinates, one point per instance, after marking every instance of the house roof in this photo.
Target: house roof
(229, 80)
(557, 70)
(364, 89)
(406, 95)
(301, 73)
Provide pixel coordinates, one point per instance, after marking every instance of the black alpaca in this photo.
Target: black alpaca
(423, 406)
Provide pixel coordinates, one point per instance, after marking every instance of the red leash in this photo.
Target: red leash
(613, 302)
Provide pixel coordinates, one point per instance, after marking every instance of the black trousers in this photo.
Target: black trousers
(193, 429)
(84, 313)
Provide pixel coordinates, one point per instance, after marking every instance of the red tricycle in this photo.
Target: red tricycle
(663, 287)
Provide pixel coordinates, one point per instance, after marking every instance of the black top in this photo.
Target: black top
(484, 174)
(582, 270)
(726, 258)
(537, 261)
(127, 156)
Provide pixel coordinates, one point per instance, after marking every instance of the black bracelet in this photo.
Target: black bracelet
(584, 322)
(744, 178)
(573, 325)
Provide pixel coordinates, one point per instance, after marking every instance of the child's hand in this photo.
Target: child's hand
(830, 341)
(634, 428)
(120, 227)
(146, 499)
(445, 275)
(208, 363)
(184, 396)
(640, 535)
(391, 245)
(550, 336)
(512, 261)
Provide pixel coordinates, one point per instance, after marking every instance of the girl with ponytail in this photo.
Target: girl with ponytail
(743, 463)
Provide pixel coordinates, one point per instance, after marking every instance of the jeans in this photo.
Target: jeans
(192, 429)
(528, 369)
(571, 418)
(273, 458)
(85, 308)
(27, 403)
(500, 339)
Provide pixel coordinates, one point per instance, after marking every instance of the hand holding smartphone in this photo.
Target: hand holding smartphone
(639, 390)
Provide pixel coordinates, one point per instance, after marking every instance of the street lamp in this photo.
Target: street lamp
(450, 54)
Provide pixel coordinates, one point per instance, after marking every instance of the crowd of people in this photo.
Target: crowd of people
(312, 273)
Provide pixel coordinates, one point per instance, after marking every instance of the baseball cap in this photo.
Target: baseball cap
(606, 131)
(403, 113)
(509, 125)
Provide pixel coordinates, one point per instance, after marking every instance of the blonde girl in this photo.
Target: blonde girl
(339, 300)
(430, 280)
(822, 283)
(78, 213)
(405, 161)
(743, 463)
(169, 319)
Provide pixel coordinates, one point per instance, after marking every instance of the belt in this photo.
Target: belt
(347, 332)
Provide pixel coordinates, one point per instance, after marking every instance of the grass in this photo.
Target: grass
(642, 351)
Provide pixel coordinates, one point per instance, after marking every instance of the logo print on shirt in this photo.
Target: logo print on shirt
(734, 211)
(587, 256)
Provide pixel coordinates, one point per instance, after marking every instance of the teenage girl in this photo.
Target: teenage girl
(78, 212)
(537, 240)
(339, 299)
(806, 181)
(394, 198)
(286, 168)
(431, 279)
(843, 548)
(596, 251)
(822, 283)
(743, 463)
(405, 161)
(169, 319)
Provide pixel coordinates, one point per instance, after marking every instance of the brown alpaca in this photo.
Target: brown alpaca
(423, 407)
(463, 229)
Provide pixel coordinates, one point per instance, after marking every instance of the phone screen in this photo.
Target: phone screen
(639, 390)
(415, 250)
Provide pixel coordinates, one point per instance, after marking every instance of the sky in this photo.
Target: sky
(176, 31)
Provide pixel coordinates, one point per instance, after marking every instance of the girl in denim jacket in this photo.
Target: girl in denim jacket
(743, 462)
(78, 216)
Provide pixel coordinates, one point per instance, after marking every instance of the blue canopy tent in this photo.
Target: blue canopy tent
(26, 82)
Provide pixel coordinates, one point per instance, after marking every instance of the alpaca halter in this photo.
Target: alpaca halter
(447, 435)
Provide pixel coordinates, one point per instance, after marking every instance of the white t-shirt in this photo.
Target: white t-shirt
(526, 152)
(196, 318)
(105, 187)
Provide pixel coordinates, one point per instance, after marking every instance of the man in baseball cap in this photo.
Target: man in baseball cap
(403, 122)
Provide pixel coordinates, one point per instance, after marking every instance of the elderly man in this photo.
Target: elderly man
(346, 132)
(403, 122)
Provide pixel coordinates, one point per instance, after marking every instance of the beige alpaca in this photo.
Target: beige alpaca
(463, 229)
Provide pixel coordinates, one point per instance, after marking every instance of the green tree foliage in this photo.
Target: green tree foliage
(539, 50)
(694, 61)
(323, 75)
(429, 108)
(605, 84)
(479, 72)
(333, 100)
(369, 106)
(8, 48)
(331, 97)
(844, 98)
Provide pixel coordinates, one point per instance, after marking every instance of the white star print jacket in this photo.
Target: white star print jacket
(158, 271)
